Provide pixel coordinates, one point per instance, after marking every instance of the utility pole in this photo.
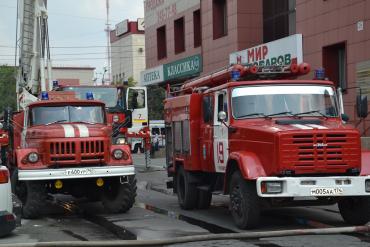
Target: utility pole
(108, 77)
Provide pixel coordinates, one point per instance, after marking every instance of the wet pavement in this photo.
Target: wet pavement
(156, 215)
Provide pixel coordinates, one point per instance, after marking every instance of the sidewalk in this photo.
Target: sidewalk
(153, 177)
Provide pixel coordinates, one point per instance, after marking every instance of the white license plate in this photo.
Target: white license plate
(79, 171)
(327, 191)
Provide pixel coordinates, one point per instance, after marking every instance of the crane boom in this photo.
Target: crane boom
(34, 51)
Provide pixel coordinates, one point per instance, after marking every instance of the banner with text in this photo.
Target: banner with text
(152, 76)
(283, 51)
(185, 67)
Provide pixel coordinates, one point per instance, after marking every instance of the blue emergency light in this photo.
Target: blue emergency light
(89, 96)
(320, 74)
(44, 95)
(235, 75)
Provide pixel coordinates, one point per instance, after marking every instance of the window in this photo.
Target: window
(283, 100)
(279, 19)
(45, 115)
(334, 62)
(179, 35)
(136, 99)
(219, 19)
(109, 95)
(161, 42)
(197, 29)
(207, 109)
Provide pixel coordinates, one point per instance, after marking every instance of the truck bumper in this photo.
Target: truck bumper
(316, 186)
(73, 173)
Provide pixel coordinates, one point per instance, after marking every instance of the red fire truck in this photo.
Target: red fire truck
(60, 144)
(266, 139)
(65, 146)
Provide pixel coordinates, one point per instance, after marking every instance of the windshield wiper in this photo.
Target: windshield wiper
(309, 112)
(280, 113)
(254, 114)
(57, 121)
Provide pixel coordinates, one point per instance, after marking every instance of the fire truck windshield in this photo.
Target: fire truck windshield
(284, 100)
(109, 95)
(46, 115)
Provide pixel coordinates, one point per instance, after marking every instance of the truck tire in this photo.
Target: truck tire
(204, 199)
(187, 193)
(119, 197)
(355, 210)
(32, 195)
(244, 202)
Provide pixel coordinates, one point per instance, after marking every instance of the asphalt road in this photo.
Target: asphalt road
(156, 215)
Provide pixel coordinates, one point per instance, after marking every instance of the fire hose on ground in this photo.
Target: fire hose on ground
(197, 238)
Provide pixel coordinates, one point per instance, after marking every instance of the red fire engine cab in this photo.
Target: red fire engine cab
(266, 139)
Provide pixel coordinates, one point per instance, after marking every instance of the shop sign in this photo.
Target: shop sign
(152, 76)
(183, 68)
(160, 11)
(283, 51)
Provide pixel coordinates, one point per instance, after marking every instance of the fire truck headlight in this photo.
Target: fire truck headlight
(118, 154)
(272, 187)
(115, 118)
(121, 141)
(33, 157)
(367, 185)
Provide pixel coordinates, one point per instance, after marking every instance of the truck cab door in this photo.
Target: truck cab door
(220, 134)
(136, 100)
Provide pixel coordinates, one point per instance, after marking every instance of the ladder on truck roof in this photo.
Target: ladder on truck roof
(239, 72)
(34, 51)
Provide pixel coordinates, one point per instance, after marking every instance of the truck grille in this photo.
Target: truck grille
(76, 152)
(320, 152)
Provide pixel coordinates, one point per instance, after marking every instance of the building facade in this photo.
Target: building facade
(336, 37)
(73, 75)
(128, 50)
(179, 34)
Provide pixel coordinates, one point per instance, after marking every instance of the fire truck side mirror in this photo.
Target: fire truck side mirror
(222, 116)
(361, 106)
(1, 126)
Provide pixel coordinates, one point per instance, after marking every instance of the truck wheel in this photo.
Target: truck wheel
(355, 210)
(204, 199)
(244, 202)
(187, 193)
(119, 197)
(32, 195)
